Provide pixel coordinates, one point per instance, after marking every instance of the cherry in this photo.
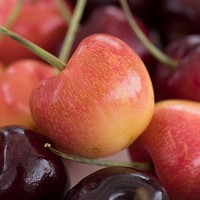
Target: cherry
(182, 81)
(120, 183)
(39, 21)
(140, 8)
(177, 18)
(28, 170)
(114, 22)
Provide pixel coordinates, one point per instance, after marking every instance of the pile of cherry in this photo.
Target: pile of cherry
(111, 94)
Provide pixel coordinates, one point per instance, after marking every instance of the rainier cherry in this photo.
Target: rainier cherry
(17, 81)
(99, 103)
(172, 141)
(114, 22)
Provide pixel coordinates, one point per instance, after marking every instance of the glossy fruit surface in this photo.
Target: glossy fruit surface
(184, 83)
(104, 92)
(38, 21)
(172, 141)
(17, 81)
(118, 183)
(114, 22)
(28, 170)
(1, 67)
(181, 82)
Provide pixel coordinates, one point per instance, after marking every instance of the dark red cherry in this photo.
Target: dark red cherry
(183, 81)
(118, 183)
(177, 18)
(141, 8)
(28, 171)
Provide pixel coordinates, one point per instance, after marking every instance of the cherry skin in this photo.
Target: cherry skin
(140, 8)
(184, 83)
(114, 22)
(38, 21)
(104, 92)
(119, 183)
(28, 170)
(181, 82)
(172, 142)
(17, 81)
(1, 67)
(177, 18)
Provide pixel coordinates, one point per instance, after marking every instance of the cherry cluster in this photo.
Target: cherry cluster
(92, 78)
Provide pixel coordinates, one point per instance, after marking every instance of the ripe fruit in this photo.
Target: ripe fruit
(99, 103)
(17, 81)
(141, 8)
(138, 153)
(1, 68)
(172, 140)
(114, 22)
(28, 170)
(183, 81)
(118, 183)
(38, 21)
(177, 18)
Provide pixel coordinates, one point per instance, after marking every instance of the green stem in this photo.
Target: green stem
(54, 61)
(135, 165)
(157, 53)
(64, 10)
(72, 29)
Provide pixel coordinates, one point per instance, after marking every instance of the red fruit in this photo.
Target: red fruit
(16, 84)
(100, 103)
(114, 22)
(172, 141)
(138, 153)
(183, 81)
(38, 21)
(1, 68)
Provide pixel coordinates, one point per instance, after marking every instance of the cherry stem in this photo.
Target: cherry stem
(64, 10)
(72, 29)
(136, 165)
(14, 14)
(156, 52)
(51, 59)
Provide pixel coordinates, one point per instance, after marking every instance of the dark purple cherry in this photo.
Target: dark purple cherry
(28, 171)
(184, 46)
(177, 18)
(141, 8)
(118, 183)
